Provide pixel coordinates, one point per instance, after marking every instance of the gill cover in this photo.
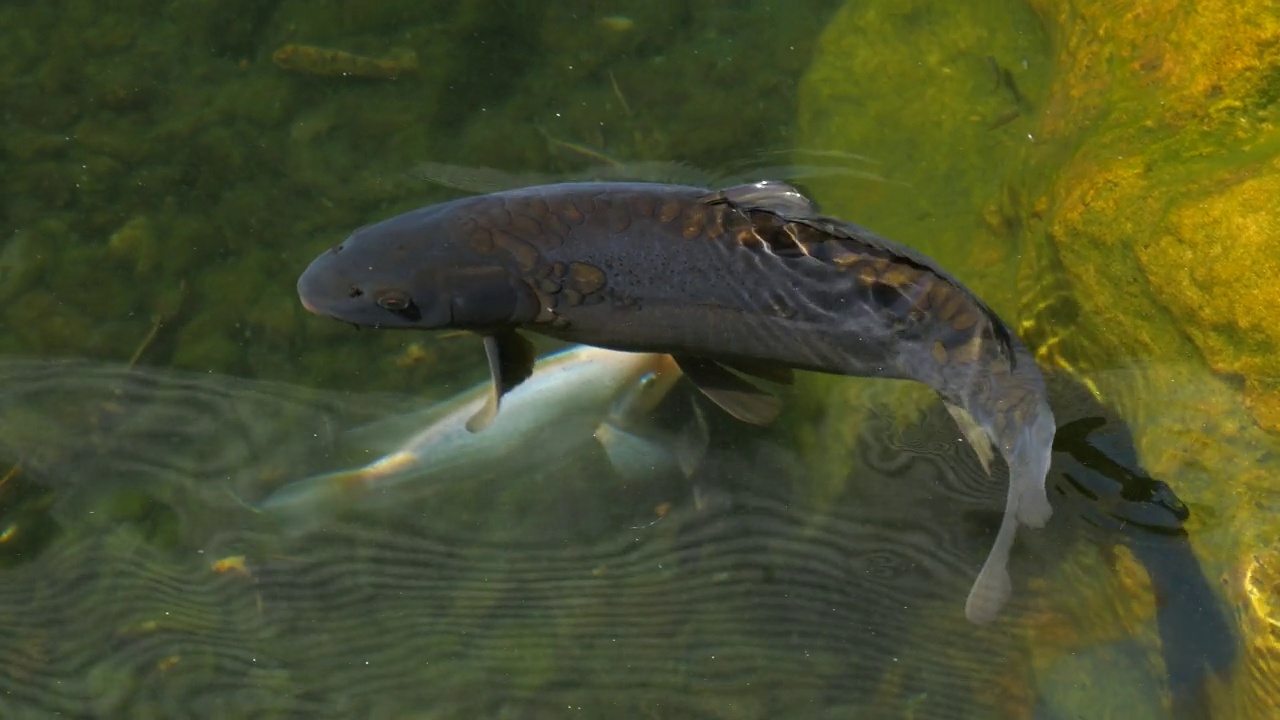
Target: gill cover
(482, 298)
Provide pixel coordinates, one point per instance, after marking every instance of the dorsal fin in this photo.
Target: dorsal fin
(790, 205)
(771, 196)
(920, 261)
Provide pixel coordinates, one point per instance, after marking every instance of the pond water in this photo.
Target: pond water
(171, 167)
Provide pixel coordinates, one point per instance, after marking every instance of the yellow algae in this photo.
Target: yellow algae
(415, 353)
(1097, 596)
(1125, 209)
(1204, 61)
(231, 564)
(1143, 206)
(911, 84)
(327, 62)
(1162, 230)
(1260, 586)
(617, 23)
(1216, 265)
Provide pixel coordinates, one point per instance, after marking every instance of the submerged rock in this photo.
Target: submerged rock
(1132, 195)
(1160, 159)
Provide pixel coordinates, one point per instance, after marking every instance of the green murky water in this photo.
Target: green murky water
(167, 176)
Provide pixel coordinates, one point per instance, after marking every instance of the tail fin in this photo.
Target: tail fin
(1026, 502)
(302, 503)
(315, 494)
(1010, 406)
(636, 449)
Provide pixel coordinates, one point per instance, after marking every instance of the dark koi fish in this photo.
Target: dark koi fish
(752, 279)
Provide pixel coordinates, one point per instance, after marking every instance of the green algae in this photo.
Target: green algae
(1134, 217)
(165, 184)
(156, 148)
(939, 96)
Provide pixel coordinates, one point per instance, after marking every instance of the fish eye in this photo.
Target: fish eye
(392, 299)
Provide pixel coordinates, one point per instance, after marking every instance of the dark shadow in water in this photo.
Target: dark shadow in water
(159, 591)
(1098, 480)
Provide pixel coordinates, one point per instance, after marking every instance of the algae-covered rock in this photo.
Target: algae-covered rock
(1261, 585)
(1152, 183)
(1134, 201)
(936, 96)
(1215, 265)
(1157, 163)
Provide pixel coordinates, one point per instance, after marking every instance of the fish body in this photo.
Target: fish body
(752, 279)
(571, 396)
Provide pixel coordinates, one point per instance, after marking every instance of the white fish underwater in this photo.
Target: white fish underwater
(572, 397)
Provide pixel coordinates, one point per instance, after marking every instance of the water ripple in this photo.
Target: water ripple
(758, 605)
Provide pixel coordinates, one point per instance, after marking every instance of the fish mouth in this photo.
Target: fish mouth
(304, 296)
(315, 286)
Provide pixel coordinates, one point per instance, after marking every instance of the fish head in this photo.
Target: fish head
(417, 270)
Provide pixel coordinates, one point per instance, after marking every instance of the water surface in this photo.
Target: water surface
(165, 182)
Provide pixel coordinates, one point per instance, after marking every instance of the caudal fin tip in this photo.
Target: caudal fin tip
(990, 593)
(1036, 512)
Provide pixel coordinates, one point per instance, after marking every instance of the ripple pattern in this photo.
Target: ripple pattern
(758, 606)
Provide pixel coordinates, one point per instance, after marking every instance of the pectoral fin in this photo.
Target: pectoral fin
(511, 357)
(736, 396)
(641, 397)
(779, 374)
(978, 438)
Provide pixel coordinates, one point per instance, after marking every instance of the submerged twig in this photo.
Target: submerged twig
(579, 149)
(626, 107)
(11, 474)
(158, 319)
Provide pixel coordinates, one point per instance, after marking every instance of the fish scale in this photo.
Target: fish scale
(887, 279)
